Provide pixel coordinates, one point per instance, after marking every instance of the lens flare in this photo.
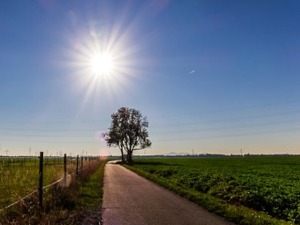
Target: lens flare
(100, 136)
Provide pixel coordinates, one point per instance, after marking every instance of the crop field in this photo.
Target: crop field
(265, 184)
(20, 176)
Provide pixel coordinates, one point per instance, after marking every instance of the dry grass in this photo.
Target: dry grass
(62, 205)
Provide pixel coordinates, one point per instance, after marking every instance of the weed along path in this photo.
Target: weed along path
(132, 200)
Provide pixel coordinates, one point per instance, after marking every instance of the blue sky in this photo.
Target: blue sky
(211, 76)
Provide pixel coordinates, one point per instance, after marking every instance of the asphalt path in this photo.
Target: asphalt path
(130, 199)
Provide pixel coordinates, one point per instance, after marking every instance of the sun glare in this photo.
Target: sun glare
(102, 64)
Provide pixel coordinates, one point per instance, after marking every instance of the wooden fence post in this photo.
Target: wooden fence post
(41, 180)
(77, 165)
(65, 170)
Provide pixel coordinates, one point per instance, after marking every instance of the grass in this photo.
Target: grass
(256, 191)
(90, 197)
(79, 203)
(20, 176)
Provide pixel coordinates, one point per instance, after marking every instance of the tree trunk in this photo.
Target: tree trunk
(122, 155)
(129, 156)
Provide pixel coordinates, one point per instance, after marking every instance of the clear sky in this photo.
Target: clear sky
(211, 76)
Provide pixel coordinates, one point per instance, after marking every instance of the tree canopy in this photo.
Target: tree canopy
(128, 131)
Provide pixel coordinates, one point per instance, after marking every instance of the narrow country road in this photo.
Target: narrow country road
(132, 200)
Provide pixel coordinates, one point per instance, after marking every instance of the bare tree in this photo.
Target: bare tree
(128, 132)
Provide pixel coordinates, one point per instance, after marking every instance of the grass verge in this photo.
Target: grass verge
(90, 198)
(235, 213)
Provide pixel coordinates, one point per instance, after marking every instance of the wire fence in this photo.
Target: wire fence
(65, 167)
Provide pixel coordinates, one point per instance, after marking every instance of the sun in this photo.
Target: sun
(102, 64)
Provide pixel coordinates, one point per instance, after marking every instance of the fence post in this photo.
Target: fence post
(81, 163)
(77, 165)
(65, 170)
(41, 180)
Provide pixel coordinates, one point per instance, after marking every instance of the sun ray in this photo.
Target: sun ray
(105, 61)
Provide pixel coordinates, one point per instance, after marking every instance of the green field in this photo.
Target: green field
(270, 185)
(20, 176)
(74, 203)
